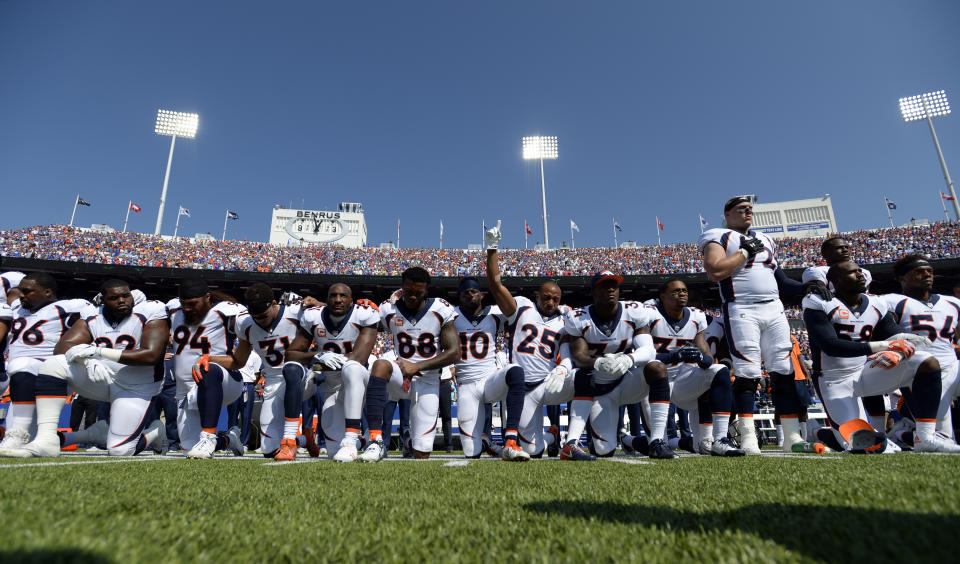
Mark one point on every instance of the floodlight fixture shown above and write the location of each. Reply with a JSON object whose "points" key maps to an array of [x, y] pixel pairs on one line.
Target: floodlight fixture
{"points": [[174, 124], [540, 148], [925, 107], [931, 104]]}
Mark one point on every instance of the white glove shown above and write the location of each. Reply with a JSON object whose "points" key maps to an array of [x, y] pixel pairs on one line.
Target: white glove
{"points": [[918, 341], [290, 298], [332, 360], [82, 352], [553, 383], [492, 236], [97, 372], [620, 364], [604, 363]]}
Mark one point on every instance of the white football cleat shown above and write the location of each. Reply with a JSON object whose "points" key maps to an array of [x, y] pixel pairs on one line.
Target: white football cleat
{"points": [[936, 443], [205, 447], [892, 448], [725, 447], [347, 453], [375, 452], [14, 439], [235, 445], [39, 447], [512, 452], [748, 436], [706, 446]]}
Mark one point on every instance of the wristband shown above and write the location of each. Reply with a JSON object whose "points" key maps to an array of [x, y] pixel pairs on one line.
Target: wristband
{"points": [[745, 253], [110, 354]]}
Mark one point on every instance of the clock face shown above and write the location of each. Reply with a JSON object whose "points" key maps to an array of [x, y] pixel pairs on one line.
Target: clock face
{"points": [[316, 230]]}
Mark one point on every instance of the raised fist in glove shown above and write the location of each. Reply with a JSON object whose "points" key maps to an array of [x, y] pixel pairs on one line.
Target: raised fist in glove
{"points": [[199, 367], [290, 298], [751, 244], [885, 359], [332, 360], [97, 372], [82, 352], [553, 383], [492, 236], [817, 288]]}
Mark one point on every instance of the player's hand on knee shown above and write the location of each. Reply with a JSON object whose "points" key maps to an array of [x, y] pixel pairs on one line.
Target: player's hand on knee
{"points": [[492, 236], [817, 288], [332, 360], [902, 346], [751, 244], [553, 383], [689, 354], [885, 359], [97, 371], [620, 364], [199, 367], [79, 353]]}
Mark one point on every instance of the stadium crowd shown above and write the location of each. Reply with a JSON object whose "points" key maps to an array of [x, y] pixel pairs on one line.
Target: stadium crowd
{"points": [[59, 242]]}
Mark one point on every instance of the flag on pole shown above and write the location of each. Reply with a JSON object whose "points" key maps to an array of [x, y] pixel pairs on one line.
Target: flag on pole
{"points": [[660, 225], [134, 207], [617, 226], [82, 202], [945, 197], [231, 215], [441, 229], [703, 222], [183, 211], [527, 228], [891, 205], [574, 226]]}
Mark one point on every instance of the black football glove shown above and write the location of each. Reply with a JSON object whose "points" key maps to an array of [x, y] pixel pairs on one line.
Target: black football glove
{"points": [[818, 288], [751, 244]]}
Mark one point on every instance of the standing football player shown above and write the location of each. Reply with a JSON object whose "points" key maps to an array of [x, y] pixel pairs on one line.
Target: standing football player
{"points": [[344, 334], [424, 340], [38, 323], [114, 356], [534, 333], [833, 250], [480, 378], [859, 353], [744, 265], [203, 336]]}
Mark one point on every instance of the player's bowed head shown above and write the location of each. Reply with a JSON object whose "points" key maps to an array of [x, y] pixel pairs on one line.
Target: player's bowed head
{"points": [[195, 300], [261, 304]]}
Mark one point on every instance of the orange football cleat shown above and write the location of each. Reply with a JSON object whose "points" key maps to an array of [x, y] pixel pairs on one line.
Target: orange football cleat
{"points": [[288, 450]]}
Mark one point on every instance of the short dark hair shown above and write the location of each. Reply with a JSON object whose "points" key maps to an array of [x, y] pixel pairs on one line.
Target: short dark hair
{"points": [[113, 283], [663, 287], [827, 241], [909, 262], [416, 274], [259, 292], [43, 280], [193, 288]]}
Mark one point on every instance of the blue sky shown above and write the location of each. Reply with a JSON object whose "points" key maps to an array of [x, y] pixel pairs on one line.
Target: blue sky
{"points": [[416, 109]]}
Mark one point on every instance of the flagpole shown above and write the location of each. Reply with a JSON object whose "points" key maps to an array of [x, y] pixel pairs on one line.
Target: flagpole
{"points": [[886, 204], [658, 230], [701, 225], [615, 233], [126, 219], [75, 202], [441, 234], [573, 242], [398, 232], [483, 234], [176, 227], [525, 234], [942, 203], [226, 216]]}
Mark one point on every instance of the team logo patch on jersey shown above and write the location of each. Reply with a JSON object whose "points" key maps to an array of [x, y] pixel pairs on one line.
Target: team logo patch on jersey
{"points": [[398, 322], [843, 314], [321, 333]]}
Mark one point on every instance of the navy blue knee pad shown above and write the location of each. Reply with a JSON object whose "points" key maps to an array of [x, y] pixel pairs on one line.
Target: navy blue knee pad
{"points": [[23, 387]]}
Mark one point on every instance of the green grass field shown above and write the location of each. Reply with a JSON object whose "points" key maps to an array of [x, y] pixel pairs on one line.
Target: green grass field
{"points": [[769, 508]]}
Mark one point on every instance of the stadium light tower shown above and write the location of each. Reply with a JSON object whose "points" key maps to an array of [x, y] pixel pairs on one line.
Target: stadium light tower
{"points": [[540, 148], [928, 106], [174, 124]]}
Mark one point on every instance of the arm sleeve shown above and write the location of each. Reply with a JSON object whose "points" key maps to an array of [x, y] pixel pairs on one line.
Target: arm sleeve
{"points": [[563, 356], [643, 349], [823, 335], [788, 286], [887, 327]]}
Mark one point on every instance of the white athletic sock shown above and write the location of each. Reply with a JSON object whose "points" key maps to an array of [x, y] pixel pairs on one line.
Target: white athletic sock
{"points": [[925, 430], [779, 435], [791, 431], [151, 435], [659, 410], [48, 417], [20, 416], [577, 422], [290, 428], [720, 423]]}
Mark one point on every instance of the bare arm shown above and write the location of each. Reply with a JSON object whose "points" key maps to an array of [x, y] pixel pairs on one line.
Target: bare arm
{"points": [[717, 264], [153, 343], [450, 345], [78, 334], [298, 351], [237, 360], [580, 353], [507, 304], [363, 346]]}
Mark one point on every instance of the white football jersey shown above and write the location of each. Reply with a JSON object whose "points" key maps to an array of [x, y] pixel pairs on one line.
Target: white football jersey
{"points": [[8, 281], [714, 334], [820, 273], [416, 335], [34, 334], [936, 320], [271, 344], [754, 280], [670, 335], [614, 336], [533, 341], [213, 336], [338, 337], [127, 335], [850, 325], [478, 343]]}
